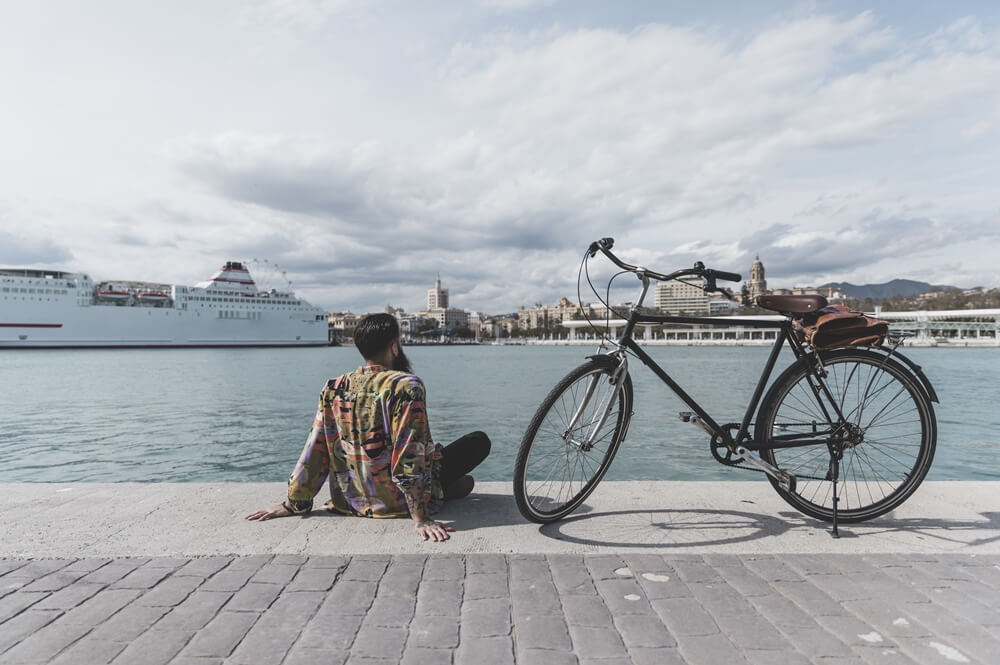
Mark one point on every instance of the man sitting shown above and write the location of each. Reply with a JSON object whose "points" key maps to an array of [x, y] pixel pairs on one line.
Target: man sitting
{"points": [[372, 439]]}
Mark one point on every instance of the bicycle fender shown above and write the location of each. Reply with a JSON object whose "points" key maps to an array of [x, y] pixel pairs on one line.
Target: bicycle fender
{"points": [[929, 391]]}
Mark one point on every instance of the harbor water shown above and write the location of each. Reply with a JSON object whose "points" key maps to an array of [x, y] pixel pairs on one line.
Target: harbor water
{"points": [[237, 415]]}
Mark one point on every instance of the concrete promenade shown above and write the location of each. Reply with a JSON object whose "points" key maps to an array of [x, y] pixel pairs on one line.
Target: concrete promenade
{"points": [[646, 573]]}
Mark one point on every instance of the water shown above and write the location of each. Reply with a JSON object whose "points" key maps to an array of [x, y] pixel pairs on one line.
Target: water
{"points": [[236, 415]]}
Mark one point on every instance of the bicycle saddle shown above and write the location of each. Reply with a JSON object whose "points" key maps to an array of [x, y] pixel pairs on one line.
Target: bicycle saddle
{"points": [[792, 304]]}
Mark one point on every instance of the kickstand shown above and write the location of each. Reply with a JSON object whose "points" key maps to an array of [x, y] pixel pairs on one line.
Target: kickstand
{"points": [[834, 475]]}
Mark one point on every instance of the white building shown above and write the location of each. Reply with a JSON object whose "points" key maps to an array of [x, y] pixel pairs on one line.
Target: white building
{"points": [[676, 297], [437, 298]]}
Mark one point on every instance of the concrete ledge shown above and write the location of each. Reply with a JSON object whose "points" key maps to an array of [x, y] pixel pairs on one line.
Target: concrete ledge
{"points": [[193, 519]]}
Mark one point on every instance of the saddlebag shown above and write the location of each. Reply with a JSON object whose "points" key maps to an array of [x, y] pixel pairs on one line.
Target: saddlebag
{"points": [[836, 326]]}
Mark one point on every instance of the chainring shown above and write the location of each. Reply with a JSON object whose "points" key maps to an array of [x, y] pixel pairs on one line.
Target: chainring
{"points": [[722, 452]]}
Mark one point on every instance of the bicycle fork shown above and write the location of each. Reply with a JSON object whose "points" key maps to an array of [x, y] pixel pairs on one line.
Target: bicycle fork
{"points": [[600, 416]]}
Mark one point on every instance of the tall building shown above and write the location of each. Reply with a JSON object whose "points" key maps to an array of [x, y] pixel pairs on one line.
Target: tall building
{"points": [[757, 284], [675, 297], [437, 298]]}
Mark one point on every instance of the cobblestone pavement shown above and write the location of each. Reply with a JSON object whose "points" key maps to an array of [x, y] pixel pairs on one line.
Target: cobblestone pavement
{"points": [[503, 609]]}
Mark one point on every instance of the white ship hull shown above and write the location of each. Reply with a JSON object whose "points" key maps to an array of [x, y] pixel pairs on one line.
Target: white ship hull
{"points": [[46, 309]]}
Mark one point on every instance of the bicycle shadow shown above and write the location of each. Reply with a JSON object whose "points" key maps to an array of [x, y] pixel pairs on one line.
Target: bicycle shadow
{"points": [[667, 527], [700, 527]]}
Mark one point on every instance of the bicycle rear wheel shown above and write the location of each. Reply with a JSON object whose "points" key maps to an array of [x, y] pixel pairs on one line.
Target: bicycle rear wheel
{"points": [[889, 435], [571, 440]]}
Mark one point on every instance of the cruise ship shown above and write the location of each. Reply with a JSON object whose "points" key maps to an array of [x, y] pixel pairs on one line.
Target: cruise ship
{"points": [[56, 309]]}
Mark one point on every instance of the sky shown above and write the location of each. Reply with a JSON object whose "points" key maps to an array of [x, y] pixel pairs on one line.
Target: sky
{"points": [[367, 146]]}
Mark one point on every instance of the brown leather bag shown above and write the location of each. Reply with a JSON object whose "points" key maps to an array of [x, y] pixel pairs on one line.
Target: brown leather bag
{"points": [[836, 326]]}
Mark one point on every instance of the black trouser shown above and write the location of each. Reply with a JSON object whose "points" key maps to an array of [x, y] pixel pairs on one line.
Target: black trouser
{"points": [[462, 456]]}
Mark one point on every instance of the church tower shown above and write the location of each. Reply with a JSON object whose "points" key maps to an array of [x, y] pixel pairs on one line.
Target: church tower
{"points": [[437, 298], [757, 283]]}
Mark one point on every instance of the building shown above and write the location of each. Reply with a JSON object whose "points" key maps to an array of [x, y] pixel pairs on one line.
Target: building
{"points": [[545, 317], [757, 284], [437, 298], [687, 297]]}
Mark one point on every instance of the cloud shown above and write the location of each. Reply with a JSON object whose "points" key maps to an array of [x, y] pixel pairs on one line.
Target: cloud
{"points": [[19, 251], [686, 143]]}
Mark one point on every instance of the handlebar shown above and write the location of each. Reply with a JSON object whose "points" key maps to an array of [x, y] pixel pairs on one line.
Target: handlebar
{"points": [[604, 245]]}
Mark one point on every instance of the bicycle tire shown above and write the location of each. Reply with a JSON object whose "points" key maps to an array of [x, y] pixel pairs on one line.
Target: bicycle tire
{"points": [[553, 476], [890, 414]]}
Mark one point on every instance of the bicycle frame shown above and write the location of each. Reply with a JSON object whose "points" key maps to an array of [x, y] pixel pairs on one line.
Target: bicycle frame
{"points": [[743, 436]]}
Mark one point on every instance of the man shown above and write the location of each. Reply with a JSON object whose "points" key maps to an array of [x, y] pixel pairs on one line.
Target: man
{"points": [[371, 438]]}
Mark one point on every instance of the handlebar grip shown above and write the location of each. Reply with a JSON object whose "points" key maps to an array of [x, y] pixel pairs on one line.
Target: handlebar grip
{"points": [[603, 244], [723, 275]]}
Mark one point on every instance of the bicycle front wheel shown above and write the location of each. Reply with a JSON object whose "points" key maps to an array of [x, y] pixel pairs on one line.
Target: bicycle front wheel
{"points": [[571, 440], [888, 435]]}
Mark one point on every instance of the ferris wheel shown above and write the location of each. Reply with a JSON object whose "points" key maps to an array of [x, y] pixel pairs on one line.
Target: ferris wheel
{"points": [[268, 276]]}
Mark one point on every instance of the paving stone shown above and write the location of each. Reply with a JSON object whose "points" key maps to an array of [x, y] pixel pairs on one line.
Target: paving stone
{"points": [[492, 650], [685, 616], [221, 635], [486, 585], [538, 598], [254, 597], [485, 563], [170, 592], [313, 579], [95, 610], [708, 650], [604, 566], [597, 642], [42, 645], [401, 581], [13, 604], [657, 656], [439, 598], [129, 623], [840, 587], [379, 642], [550, 633], [113, 571], [444, 567], [771, 569], [782, 612], [87, 565], [170, 563], [305, 656], [19, 627], [275, 573], [753, 631], [433, 632], [888, 620], [203, 567], [853, 631], [720, 599], [32, 570], [195, 611], [771, 657], [690, 571], [645, 631], [91, 651], [9, 565], [816, 643], [623, 596], [54, 581], [68, 597], [571, 576], [883, 656], [330, 633], [145, 577], [488, 617], [587, 611], [249, 564], [327, 562], [426, 656], [391, 610], [809, 598], [157, 647], [276, 631], [366, 569]]}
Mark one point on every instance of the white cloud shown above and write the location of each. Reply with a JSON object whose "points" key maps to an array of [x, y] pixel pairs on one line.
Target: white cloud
{"points": [[381, 145]]}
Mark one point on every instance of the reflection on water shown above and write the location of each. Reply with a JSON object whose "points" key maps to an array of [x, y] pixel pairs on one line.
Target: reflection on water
{"points": [[243, 414]]}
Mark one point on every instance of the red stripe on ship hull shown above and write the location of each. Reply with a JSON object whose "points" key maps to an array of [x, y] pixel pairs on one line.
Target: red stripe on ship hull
{"points": [[31, 325]]}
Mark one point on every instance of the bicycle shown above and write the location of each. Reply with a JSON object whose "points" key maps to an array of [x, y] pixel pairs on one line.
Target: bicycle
{"points": [[852, 426]]}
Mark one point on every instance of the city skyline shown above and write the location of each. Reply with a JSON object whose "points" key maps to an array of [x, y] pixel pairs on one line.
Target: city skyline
{"points": [[366, 146]]}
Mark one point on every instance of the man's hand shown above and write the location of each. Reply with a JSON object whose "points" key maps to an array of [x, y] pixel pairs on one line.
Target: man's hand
{"points": [[277, 511], [431, 530]]}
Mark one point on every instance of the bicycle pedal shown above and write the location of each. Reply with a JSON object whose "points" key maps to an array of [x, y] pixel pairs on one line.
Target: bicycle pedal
{"points": [[786, 481]]}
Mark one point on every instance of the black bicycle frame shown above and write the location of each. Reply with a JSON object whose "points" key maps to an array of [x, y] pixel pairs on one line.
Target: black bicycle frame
{"points": [[743, 436]]}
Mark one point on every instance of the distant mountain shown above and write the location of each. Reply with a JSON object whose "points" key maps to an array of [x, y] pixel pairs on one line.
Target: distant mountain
{"points": [[897, 287]]}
